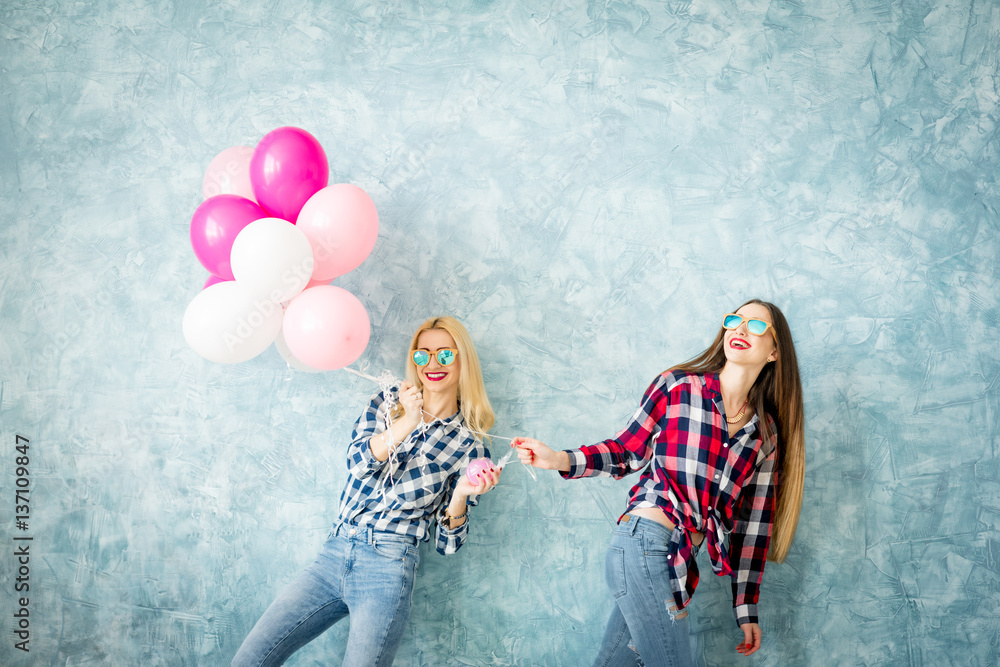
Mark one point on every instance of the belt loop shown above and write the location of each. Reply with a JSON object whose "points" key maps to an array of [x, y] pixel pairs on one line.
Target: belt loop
{"points": [[371, 535], [632, 521]]}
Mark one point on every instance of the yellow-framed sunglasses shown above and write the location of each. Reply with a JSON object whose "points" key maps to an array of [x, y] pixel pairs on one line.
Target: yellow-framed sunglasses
{"points": [[445, 356], [754, 326]]}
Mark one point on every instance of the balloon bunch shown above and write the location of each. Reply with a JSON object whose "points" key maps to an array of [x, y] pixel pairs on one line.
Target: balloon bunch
{"points": [[273, 234]]}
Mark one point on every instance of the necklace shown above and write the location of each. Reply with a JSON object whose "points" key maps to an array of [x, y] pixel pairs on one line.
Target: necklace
{"points": [[739, 415]]}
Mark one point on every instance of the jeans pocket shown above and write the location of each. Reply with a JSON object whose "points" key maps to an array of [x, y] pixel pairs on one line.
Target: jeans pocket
{"points": [[392, 549], [654, 545], [614, 571], [657, 562]]}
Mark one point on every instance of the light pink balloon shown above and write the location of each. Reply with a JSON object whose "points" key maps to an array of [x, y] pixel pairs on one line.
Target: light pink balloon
{"points": [[326, 327], [341, 224], [314, 283], [287, 168], [229, 174]]}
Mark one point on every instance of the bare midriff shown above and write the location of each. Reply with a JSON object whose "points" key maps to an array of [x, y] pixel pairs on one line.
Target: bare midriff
{"points": [[659, 517]]}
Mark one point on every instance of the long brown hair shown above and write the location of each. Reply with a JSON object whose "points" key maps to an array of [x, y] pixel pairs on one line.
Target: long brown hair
{"points": [[473, 402], [778, 392]]}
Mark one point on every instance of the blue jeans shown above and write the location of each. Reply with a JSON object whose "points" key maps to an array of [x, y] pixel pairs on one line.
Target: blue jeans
{"points": [[644, 628], [366, 574]]}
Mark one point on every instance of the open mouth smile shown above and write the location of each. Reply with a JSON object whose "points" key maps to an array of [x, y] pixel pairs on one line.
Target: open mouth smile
{"points": [[435, 377], [739, 344]]}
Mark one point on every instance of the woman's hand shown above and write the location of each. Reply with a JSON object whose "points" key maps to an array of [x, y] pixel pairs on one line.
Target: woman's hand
{"points": [[538, 454], [751, 637], [458, 507], [412, 401]]}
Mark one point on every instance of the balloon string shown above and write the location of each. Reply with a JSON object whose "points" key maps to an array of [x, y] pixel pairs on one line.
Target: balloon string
{"points": [[386, 381], [393, 381]]}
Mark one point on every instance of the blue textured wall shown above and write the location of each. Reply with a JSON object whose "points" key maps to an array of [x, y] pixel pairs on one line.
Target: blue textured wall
{"points": [[588, 188]]}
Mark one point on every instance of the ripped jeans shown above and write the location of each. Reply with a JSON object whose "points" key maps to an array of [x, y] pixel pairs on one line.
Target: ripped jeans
{"points": [[643, 629]]}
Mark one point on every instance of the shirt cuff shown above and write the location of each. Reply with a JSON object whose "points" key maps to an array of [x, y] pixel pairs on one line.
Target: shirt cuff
{"points": [[368, 460], [444, 523], [577, 464], [456, 531], [450, 540], [745, 613]]}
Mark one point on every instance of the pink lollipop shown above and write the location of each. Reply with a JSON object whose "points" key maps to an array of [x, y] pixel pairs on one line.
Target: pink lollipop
{"points": [[476, 469]]}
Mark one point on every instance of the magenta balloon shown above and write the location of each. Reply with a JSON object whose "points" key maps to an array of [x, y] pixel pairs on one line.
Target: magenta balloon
{"points": [[213, 280], [341, 224], [326, 327], [215, 225], [287, 168]]}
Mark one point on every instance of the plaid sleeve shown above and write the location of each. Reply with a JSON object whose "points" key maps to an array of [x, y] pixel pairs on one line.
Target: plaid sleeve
{"points": [[631, 449], [450, 540], [751, 536], [361, 463]]}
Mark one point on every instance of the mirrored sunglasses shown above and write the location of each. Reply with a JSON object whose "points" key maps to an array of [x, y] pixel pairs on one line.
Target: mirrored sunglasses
{"points": [[445, 356], [754, 326]]}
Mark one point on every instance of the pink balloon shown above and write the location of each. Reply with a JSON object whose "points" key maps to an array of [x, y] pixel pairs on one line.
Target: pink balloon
{"points": [[215, 225], [314, 282], [229, 174], [326, 327], [341, 224], [477, 468], [213, 280], [287, 168]]}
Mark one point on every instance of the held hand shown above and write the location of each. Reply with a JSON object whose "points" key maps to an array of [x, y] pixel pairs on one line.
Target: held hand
{"points": [[412, 401], [538, 454], [488, 479], [751, 639], [458, 507]]}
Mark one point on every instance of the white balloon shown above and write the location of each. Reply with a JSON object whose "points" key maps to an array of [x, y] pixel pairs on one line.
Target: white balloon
{"points": [[272, 259], [282, 347], [226, 324]]}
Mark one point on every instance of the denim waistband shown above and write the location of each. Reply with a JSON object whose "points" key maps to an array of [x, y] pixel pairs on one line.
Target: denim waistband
{"points": [[352, 531], [631, 524]]}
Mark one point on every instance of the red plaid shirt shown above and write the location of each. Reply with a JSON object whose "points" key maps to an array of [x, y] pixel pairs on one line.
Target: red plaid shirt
{"points": [[703, 478]]}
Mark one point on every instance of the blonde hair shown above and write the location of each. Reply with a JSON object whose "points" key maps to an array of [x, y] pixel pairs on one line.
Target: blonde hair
{"points": [[472, 400], [778, 392]]}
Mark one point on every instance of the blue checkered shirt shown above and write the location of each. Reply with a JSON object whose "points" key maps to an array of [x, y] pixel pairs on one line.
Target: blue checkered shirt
{"points": [[404, 493]]}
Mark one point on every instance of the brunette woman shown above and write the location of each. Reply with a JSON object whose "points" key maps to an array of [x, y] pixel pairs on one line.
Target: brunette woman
{"points": [[720, 444]]}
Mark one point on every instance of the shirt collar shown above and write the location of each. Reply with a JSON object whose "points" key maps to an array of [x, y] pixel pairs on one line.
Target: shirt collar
{"points": [[454, 421], [714, 387], [713, 384]]}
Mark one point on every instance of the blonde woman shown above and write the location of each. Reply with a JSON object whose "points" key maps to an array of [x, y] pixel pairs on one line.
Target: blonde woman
{"points": [[401, 480], [720, 444]]}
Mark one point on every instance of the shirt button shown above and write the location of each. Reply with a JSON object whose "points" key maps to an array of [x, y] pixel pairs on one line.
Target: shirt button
{"points": [[716, 475]]}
